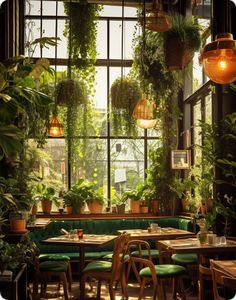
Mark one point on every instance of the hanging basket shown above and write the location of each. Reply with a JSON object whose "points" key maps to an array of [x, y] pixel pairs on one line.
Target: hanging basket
{"points": [[157, 20], [177, 56]]}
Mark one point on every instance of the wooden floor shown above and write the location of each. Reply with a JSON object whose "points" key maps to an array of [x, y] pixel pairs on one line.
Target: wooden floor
{"points": [[133, 290]]}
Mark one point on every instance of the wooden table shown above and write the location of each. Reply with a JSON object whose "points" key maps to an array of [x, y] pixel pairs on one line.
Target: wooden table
{"points": [[162, 234], [40, 223], [88, 240], [227, 266], [192, 245]]}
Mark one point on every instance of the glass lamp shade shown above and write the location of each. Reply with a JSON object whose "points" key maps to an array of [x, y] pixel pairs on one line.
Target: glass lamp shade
{"points": [[143, 113], [158, 20], [219, 59], [55, 127], [146, 124]]}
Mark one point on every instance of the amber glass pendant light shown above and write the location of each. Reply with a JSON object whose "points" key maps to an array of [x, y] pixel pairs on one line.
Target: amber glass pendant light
{"points": [[144, 109], [219, 59], [55, 127], [143, 113]]}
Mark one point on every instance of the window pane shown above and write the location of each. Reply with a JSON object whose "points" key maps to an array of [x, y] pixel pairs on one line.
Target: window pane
{"points": [[50, 164], [115, 35], [49, 29], [127, 164], [32, 32], [92, 166], [197, 131], [32, 7], [116, 11], [208, 109], [102, 40], [62, 49], [49, 8]]}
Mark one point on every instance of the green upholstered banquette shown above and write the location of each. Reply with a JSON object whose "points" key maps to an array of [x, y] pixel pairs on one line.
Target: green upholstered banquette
{"points": [[98, 226]]}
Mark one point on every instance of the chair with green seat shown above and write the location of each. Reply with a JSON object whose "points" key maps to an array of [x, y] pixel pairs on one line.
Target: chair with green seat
{"points": [[58, 257], [108, 271], [139, 248], [190, 262], [46, 269], [157, 274]]}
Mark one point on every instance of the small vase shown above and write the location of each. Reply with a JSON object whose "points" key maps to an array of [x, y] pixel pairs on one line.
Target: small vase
{"points": [[202, 236]]}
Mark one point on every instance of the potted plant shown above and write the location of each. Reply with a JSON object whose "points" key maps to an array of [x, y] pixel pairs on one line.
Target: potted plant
{"points": [[134, 196], [95, 201], [120, 201], [180, 42], [77, 195], [125, 94], [47, 197]]}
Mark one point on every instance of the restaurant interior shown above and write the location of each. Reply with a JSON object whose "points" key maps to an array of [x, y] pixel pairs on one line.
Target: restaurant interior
{"points": [[117, 149]]}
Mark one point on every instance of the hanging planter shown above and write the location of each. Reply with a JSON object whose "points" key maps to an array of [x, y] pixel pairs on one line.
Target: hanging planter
{"points": [[157, 20], [180, 42], [125, 94], [69, 92]]}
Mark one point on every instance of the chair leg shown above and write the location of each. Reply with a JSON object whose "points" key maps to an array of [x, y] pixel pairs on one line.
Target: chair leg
{"points": [[63, 278], [82, 286], [111, 291], [99, 289], [69, 273], [142, 286], [123, 283]]}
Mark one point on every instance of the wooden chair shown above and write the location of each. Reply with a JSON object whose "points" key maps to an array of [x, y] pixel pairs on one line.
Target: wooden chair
{"points": [[109, 271], [45, 270], [217, 281], [229, 283], [157, 274], [204, 283]]}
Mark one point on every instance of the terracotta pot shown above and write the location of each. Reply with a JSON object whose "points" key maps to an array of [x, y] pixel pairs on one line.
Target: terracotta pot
{"points": [[144, 209], [95, 207], [135, 206], [34, 209], [120, 209], [177, 56], [69, 209], [46, 206], [155, 206], [18, 225]]}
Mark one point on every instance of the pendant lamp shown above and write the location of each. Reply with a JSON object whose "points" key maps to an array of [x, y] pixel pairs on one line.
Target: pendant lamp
{"points": [[55, 127], [143, 113], [157, 19], [219, 59]]}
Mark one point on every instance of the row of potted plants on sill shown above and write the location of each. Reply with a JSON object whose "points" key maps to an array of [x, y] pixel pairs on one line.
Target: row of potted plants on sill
{"points": [[83, 193]]}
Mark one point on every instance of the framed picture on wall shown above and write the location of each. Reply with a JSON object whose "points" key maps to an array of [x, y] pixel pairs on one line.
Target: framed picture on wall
{"points": [[180, 159]]}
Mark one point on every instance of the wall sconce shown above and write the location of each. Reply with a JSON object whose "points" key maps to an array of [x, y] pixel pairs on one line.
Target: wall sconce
{"points": [[55, 127], [219, 59]]}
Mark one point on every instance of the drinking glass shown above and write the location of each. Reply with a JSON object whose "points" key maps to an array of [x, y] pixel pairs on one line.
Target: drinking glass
{"points": [[223, 240]]}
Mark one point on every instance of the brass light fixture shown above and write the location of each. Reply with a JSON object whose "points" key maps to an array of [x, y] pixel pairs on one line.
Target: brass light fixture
{"points": [[143, 111], [157, 19], [219, 59], [55, 127]]}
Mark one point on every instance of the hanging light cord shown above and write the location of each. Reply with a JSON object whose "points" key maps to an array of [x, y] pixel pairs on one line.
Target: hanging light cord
{"points": [[122, 37], [56, 33], [70, 40]]}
